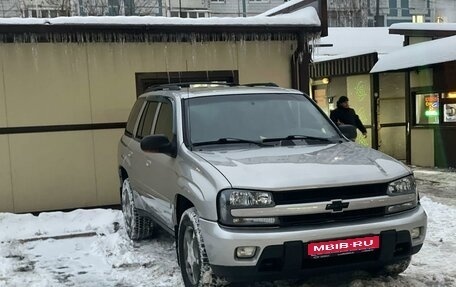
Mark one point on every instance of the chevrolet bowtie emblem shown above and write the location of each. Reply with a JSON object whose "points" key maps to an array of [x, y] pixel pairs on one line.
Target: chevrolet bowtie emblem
{"points": [[337, 205]]}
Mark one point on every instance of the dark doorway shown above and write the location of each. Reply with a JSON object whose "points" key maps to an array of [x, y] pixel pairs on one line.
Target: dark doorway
{"points": [[146, 80]]}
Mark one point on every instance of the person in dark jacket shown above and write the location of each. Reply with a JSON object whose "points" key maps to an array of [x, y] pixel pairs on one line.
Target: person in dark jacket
{"points": [[344, 115]]}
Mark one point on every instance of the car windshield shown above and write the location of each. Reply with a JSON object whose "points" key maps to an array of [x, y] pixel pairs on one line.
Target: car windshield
{"points": [[255, 117]]}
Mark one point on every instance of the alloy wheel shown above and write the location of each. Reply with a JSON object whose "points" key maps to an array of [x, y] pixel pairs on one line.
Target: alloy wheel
{"points": [[191, 255]]}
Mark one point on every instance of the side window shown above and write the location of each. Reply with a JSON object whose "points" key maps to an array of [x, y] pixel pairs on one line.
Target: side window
{"points": [[147, 119], [133, 117], [165, 121]]}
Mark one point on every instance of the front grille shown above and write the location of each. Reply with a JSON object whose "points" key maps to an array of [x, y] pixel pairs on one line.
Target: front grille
{"points": [[329, 193], [322, 218]]}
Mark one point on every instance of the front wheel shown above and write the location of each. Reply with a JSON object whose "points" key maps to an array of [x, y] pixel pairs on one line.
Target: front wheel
{"points": [[193, 261]]}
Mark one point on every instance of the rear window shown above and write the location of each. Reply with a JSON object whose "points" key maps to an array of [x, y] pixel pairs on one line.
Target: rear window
{"points": [[132, 119]]}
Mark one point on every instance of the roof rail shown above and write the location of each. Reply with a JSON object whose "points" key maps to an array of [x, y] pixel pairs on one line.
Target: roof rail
{"points": [[179, 86], [270, 84]]}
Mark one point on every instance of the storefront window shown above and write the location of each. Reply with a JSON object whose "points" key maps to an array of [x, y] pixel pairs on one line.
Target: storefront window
{"points": [[427, 108], [449, 107]]}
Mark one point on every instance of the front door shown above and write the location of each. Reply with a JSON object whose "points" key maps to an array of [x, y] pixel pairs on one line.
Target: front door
{"points": [[162, 169], [391, 115]]}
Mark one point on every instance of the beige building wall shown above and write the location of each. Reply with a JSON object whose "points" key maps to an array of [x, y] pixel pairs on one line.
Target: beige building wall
{"points": [[6, 191], [2, 93], [423, 147], [46, 84], [421, 78], [59, 84], [359, 94], [337, 87], [416, 40]]}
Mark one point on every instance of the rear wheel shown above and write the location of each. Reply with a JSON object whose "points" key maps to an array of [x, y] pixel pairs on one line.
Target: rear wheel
{"points": [[138, 226], [193, 261]]}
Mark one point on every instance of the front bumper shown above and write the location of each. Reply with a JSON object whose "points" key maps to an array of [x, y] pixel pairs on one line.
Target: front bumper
{"points": [[288, 245]]}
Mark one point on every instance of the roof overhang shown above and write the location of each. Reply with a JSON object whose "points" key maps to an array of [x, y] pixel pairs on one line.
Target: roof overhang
{"points": [[436, 30], [161, 29], [350, 65], [418, 55]]}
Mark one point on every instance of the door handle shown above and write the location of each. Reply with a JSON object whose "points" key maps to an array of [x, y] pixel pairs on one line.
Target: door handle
{"points": [[148, 163]]}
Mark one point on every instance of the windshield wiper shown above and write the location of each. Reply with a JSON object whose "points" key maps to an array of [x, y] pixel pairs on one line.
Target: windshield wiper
{"points": [[298, 137], [230, 141]]}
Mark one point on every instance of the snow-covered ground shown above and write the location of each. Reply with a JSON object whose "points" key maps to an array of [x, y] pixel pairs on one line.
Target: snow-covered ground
{"points": [[100, 254]]}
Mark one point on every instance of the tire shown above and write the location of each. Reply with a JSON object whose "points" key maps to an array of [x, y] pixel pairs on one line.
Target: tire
{"points": [[396, 268], [193, 261], [138, 227]]}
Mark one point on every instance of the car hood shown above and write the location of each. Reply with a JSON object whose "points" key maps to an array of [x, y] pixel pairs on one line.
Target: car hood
{"points": [[305, 166]]}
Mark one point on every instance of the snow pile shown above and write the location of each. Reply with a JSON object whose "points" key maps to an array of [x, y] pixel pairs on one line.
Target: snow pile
{"points": [[106, 259], [435, 264], [25, 226]]}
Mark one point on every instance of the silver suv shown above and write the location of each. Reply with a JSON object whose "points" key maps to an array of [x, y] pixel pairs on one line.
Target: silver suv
{"points": [[256, 183]]}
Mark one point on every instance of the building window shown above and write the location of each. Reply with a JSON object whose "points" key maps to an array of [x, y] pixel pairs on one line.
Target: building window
{"points": [[427, 109], [190, 14], [393, 7], [43, 12], [418, 19], [405, 9], [217, 1], [258, 1], [449, 107]]}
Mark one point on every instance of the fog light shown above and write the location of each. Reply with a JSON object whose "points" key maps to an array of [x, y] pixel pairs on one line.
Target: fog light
{"points": [[255, 220], [416, 232], [244, 252]]}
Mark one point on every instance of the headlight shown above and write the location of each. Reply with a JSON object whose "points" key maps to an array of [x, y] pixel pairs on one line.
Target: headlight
{"points": [[402, 186], [234, 199], [245, 198], [399, 187]]}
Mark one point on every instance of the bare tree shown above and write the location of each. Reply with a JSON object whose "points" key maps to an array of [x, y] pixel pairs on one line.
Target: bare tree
{"points": [[348, 13], [94, 7], [62, 6], [148, 7], [12, 8]]}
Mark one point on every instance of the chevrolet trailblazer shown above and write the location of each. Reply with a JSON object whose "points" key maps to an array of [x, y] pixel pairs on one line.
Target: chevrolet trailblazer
{"points": [[256, 183]]}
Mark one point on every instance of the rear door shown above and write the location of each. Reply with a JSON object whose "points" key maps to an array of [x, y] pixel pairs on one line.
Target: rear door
{"points": [[138, 172]]}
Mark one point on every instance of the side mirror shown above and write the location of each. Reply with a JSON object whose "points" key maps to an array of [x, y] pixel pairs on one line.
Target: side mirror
{"points": [[348, 131], [157, 144]]}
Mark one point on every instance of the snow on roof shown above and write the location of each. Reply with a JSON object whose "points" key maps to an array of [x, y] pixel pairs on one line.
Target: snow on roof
{"points": [[417, 55], [278, 8], [348, 42], [424, 26], [307, 16]]}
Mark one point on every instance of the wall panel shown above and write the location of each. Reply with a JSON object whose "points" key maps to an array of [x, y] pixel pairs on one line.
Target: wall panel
{"points": [[46, 84], [6, 192], [423, 147], [52, 170], [105, 156], [258, 62]]}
